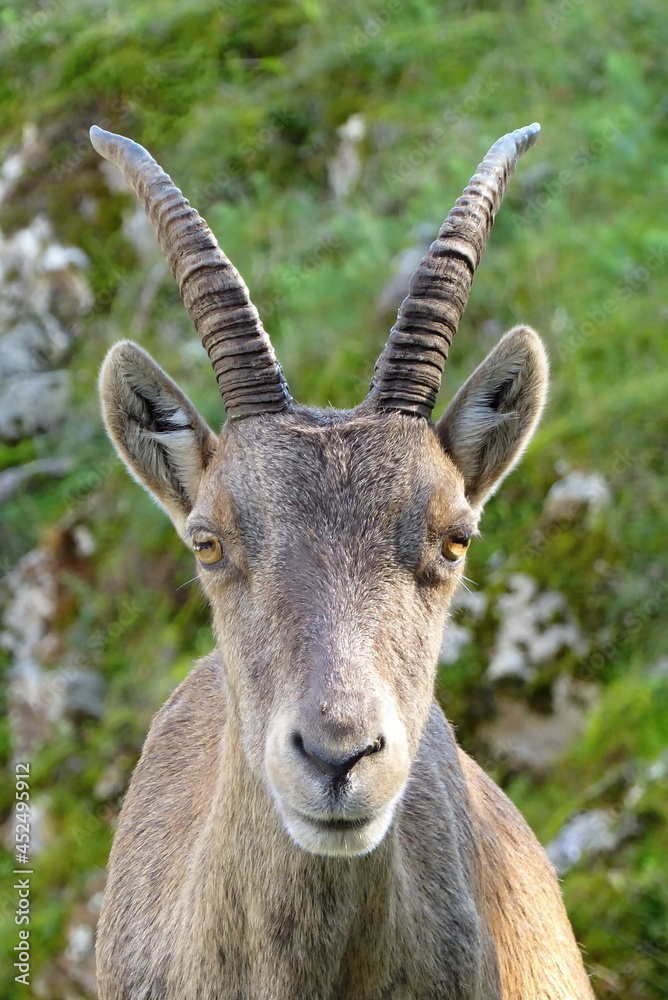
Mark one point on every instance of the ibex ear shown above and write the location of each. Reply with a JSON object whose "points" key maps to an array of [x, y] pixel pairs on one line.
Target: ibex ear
{"points": [[155, 428], [490, 421]]}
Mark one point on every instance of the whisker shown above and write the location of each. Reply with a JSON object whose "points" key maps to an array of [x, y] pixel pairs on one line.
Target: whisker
{"points": [[205, 588], [187, 582]]}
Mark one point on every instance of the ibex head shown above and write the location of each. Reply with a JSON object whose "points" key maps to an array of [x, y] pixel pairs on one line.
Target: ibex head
{"points": [[329, 543]]}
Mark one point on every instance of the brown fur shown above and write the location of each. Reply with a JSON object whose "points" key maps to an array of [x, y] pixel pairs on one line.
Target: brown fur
{"points": [[230, 878]]}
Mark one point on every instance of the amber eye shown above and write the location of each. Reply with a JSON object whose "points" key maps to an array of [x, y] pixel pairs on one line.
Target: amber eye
{"points": [[208, 549], [455, 546]]}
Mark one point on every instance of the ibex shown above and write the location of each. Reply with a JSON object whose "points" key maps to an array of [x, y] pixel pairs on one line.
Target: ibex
{"points": [[302, 824]]}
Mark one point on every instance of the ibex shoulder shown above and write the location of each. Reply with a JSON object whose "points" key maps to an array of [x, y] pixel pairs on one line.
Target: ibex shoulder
{"points": [[521, 899]]}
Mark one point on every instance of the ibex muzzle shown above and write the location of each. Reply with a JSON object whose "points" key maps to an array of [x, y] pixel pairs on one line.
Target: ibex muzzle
{"points": [[309, 829]]}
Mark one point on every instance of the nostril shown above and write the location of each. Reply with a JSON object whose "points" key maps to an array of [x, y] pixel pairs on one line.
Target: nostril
{"points": [[375, 747], [334, 767], [322, 760]]}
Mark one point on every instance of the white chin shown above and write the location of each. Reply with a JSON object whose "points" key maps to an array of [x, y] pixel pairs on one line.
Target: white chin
{"points": [[317, 837]]}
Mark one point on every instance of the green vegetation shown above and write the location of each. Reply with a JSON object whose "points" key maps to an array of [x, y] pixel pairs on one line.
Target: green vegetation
{"points": [[241, 102]]}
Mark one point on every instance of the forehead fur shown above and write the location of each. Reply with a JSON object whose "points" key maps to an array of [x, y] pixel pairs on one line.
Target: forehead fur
{"points": [[343, 467]]}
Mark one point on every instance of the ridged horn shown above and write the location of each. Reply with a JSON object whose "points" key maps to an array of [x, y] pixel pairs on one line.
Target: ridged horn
{"points": [[214, 293], [408, 373]]}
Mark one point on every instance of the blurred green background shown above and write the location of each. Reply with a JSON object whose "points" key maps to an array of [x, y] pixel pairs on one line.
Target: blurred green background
{"points": [[323, 142]]}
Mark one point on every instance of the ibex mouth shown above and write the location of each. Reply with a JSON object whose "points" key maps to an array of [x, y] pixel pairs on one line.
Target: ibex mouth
{"points": [[337, 836], [338, 824]]}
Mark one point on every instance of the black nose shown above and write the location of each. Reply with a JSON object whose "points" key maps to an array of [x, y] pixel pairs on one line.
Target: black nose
{"points": [[335, 767]]}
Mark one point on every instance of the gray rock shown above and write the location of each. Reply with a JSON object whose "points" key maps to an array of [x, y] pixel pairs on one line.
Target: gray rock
{"points": [[455, 639], [82, 694], [33, 405], [578, 493], [534, 627], [345, 167], [598, 831], [532, 740], [589, 832]]}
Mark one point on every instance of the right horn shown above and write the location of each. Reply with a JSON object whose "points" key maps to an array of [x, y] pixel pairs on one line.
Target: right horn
{"points": [[249, 376], [408, 373]]}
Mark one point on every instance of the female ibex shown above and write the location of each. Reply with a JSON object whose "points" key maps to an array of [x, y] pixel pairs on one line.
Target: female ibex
{"points": [[302, 824]]}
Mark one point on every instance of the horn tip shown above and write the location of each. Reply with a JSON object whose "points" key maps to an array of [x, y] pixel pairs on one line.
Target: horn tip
{"points": [[101, 141], [525, 137], [112, 146]]}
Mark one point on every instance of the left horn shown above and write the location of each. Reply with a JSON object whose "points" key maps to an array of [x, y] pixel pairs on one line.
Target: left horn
{"points": [[249, 376], [408, 373]]}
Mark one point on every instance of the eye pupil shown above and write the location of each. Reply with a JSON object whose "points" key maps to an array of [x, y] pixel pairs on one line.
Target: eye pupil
{"points": [[455, 546], [209, 550]]}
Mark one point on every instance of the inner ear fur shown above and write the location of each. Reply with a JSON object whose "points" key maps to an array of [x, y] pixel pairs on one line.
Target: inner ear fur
{"points": [[156, 430], [491, 420]]}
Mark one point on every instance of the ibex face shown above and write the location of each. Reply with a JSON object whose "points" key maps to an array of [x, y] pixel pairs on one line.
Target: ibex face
{"points": [[330, 544], [341, 541]]}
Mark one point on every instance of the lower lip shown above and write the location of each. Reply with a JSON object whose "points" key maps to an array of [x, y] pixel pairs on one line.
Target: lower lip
{"points": [[337, 825]]}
